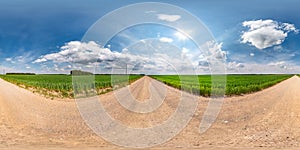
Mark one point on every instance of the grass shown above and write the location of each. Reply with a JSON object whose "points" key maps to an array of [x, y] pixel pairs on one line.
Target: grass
{"points": [[61, 85], [235, 84]]}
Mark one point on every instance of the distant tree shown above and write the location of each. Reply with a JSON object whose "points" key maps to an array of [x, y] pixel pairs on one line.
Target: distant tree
{"points": [[79, 72], [16, 73]]}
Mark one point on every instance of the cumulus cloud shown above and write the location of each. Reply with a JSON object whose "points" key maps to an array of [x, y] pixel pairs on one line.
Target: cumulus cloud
{"points": [[8, 59], [268, 68], [266, 33], [290, 27], [240, 65], [78, 52], [185, 54], [168, 18], [149, 57], [185, 50], [212, 59], [234, 65], [180, 36], [203, 64], [166, 40], [40, 60], [280, 64], [215, 51], [88, 54]]}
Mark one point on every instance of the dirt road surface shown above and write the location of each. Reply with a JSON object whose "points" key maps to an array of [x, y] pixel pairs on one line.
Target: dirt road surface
{"points": [[264, 120]]}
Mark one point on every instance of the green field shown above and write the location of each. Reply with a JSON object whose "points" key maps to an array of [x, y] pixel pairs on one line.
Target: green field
{"points": [[61, 85], [235, 84]]}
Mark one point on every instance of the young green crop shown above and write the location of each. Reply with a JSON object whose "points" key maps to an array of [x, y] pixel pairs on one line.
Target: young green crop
{"points": [[235, 84], [200, 85], [61, 85]]}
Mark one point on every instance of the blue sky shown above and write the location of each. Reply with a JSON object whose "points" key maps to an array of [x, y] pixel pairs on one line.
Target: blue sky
{"points": [[257, 36]]}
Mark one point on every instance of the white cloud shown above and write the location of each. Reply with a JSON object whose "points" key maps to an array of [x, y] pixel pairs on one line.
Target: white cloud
{"points": [[216, 51], [252, 54], [185, 54], [87, 55], [266, 33], [20, 63], [77, 52], [280, 64], [40, 60], [21, 59], [234, 65], [150, 11], [185, 50], [166, 40], [290, 27], [8, 59], [203, 64], [26, 57], [282, 67], [125, 50], [240, 65], [169, 18], [257, 24], [180, 36], [11, 60], [212, 59]]}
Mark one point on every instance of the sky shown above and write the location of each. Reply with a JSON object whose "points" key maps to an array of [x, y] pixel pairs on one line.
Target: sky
{"points": [[215, 36]]}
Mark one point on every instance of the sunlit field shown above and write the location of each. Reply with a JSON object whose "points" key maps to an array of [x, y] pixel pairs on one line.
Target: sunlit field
{"points": [[61, 85], [235, 84]]}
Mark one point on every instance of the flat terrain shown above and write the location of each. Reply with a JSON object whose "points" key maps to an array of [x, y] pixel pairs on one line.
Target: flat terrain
{"points": [[264, 120], [60, 85]]}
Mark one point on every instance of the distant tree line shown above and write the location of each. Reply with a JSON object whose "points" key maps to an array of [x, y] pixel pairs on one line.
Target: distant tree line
{"points": [[20, 73], [79, 72]]}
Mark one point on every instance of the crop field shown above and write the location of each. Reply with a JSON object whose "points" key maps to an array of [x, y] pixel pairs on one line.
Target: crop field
{"points": [[235, 84], [61, 85]]}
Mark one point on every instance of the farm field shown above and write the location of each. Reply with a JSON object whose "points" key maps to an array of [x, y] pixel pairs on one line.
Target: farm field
{"points": [[61, 85], [262, 120], [235, 84]]}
